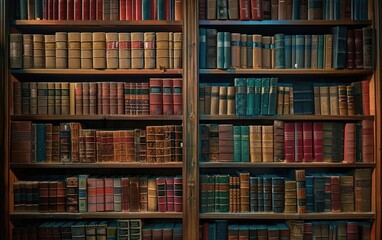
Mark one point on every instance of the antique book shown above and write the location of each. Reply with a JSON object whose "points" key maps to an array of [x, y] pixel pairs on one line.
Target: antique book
{"points": [[86, 50], [15, 50], [162, 50], [112, 57], [61, 50], [149, 50], [38, 51], [124, 48], [99, 50]]}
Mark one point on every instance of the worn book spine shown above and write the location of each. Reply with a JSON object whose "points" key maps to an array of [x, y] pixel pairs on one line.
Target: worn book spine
{"points": [[156, 98], [42, 98], [74, 50], [245, 9], [113, 98], [368, 46], [211, 9], [177, 50], [99, 50], [290, 196], [137, 50], [222, 100], [362, 190], [112, 51], [339, 46], [351, 49], [358, 47], [347, 193], [233, 9], [266, 52], [86, 50], [325, 100], [27, 51], [15, 50], [341, 98], [255, 143], [61, 50], [301, 191], [267, 143], [211, 48], [221, 10], [328, 51], [77, 99], [149, 50], [38, 51], [162, 50], [289, 142], [167, 96], [367, 141], [33, 98], [124, 48]]}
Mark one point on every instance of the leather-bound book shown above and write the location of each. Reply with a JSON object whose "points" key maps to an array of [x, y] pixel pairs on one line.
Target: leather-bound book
{"points": [[362, 190], [301, 191], [222, 100], [77, 10], [92, 9], [15, 50], [74, 50], [27, 51], [69, 9], [21, 140], [235, 50], [211, 9], [112, 58], [137, 50], [85, 98], [50, 51], [156, 98], [347, 193], [61, 50], [245, 9], [178, 15], [358, 47], [290, 196], [367, 141], [256, 10], [105, 86], [167, 96], [267, 143], [178, 50], [86, 50], [257, 51], [278, 141], [211, 48], [42, 98], [149, 52], [38, 51], [162, 50], [99, 50], [255, 143], [113, 102], [351, 51], [124, 48]]}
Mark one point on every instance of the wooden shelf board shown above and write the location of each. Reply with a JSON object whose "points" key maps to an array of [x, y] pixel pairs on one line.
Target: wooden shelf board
{"points": [[100, 23], [286, 22], [284, 165], [312, 216], [96, 117], [98, 71], [95, 165], [318, 72], [288, 117], [104, 215]]}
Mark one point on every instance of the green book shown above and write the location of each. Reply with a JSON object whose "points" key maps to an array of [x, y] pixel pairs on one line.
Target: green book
{"points": [[279, 51], [300, 45], [265, 95], [227, 50], [250, 96], [241, 99], [272, 104], [223, 181], [237, 144], [257, 97], [320, 52], [220, 50], [244, 143]]}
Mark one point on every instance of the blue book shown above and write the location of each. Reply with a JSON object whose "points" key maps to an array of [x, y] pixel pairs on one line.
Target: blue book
{"points": [[364, 10], [288, 51], [23, 10], [295, 10], [237, 143], [221, 229], [265, 95], [202, 48], [267, 193], [40, 141], [272, 102], [212, 231], [303, 98], [260, 194], [146, 10], [241, 91], [257, 99], [244, 131], [309, 194], [279, 51], [250, 96], [339, 46], [253, 194], [227, 50], [278, 194], [293, 51], [308, 52], [220, 50], [38, 9], [161, 6], [319, 193], [337, 10], [172, 10], [320, 52], [300, 45], [325, 10]]}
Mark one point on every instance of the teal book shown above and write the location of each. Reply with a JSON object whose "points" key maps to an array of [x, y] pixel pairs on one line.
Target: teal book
{"points": [[40, 142], [222, 10], [237, 144], [220, 50], [221, 229], [300, 45], [227, 50], [288, 51], [265, 95], [223, 193], [244, 132], [146, 10], [319, 193], [250, 96], [325, 10], [202, 48], [241, 91], [320, 52], [309, 194], [308, 52], [293, 52], [212, 231], [253, 194], [249, 51], [82, 193], [272, 103], [337, 10], [38, 10], [161, 6], [23, 10], [279, 51], [339, 46], [295, 10], [257, 99]]}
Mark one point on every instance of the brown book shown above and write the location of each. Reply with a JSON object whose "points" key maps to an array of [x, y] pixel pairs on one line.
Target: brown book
{"points": [[50, 51], [342, 100], [105, 96], [17, 98], [113, 98], [92, 98], [362, 190], [367, 141], [25, 97], [328, 51], [233, 9], [27, 51], [230, 100], [120, 98], [235, 50], [55, 144], [267, 143], [275, 9], [86, 50], [74, 138], [335, 100], [48, 128], [99, 50], [149, 46], [74, 50], [225, 142], [314, 53], [350, 143], [137, 52], [278, 141], [21, 141], [347, 193], [61, 196], [222, 100], [317, 102], [162, 50], [134, 205], [350, 47], [178, 10], [33, 98], [150, 143], [207, 100], [301, 191], [290, 196], [244, 191], [51, 96], [15, 50], [143, 193], [171, 50], [72, 98], [152, 204], [282, 10], [214, 110], [61, 50], [257, 51], [65, 98], [38, 51], [314, 12], [350, 100], [324, 99], [78, 98], [266, 52], [211, 9], [85, 98], [358, 48], [178, 50], [112, 58], [124, 48], [255, 143]]}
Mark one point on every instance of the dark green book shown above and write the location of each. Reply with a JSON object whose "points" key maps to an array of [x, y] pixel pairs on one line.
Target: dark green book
{"points": [[320, 51], [250, 96], [288, 51], [211, 193], [227, 50], [237, 144], [220, 50], [265, 87], [339, 46], [279, 51], [223, 201], [221, 10], [202, 48], [308, 51], [241, 98], [244, 143], [204, 193], [211, 50], [300, 45], [272, 102]]}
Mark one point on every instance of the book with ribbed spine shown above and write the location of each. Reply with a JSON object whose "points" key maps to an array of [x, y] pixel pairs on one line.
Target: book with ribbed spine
{"points": [[279, 51], [137, 50], [156, 99], [38, 51], [149, 50], [162, 50], [301, 191], [50, 51], [257, 42], [337, 100], [221, 10], [265, 90], [362, 190], [99, 50], [289, 141], [367, 141], [74, 50], [86, 48], [267, 143], [226, 148], [112, 51], [339, 46], [211, 52], [222, 100], [124, 48], [347, 193], [368, 39], [61, 50], [177, 50], [167, 87]]}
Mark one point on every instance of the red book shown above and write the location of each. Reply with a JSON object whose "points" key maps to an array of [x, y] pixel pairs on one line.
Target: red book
{"points": [[55, 9], [45, 10], [335, 189], [358, 48], [257, 9], [170, 194], [125, 183], [100, 192], [138, 9], [202, 9], [62, 14], [352, 231], [50, 9], [133, 10], [77, 10], [154, 10], [289, 151], [52, 196], [85, 9], [92, 9], [99, 10], [366, 97], [245, 13], [178, 200], [122, 10], [350, 143], [166, 9], [350, 46], [109, 194], [318, 141], [156, 96], [120, 98], [105, 97], [21, 142], [129, 10], [307, 135], [70, 9], [167, 97], [177, 96], [134, 204], [92, 194], [43, 187], [61, 196], [298, 140], [161, 194], [367, 141], [113, 98]]}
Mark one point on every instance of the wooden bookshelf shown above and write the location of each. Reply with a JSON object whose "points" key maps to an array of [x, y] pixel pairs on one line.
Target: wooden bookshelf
{"points": [[96, 117], [106, 166], [121, 72], [285, 23], [240, 165], [286, 117]]}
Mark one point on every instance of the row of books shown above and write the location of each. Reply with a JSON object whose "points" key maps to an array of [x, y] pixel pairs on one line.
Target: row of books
{"points": [[98, 10], [84, 193], [344, 48], [158, 96], [223, 229], [133, 229], [97, 50], [70, 143], [243, 192], [267, 96], [288, 142], [283, 10]]}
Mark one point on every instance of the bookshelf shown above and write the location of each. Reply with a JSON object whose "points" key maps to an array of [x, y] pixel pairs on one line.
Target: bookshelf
{"points": [[192, 169]]}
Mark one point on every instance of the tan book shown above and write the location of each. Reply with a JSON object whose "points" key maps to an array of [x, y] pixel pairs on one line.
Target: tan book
{"points": [[65, 98], [51, 96], [324, 100], [74, 50], [137, 50], [255, 144], [282, 10], [124, 48], [211, 9], [231, 100], [152, 204], [85, 98], [171, 50], [162, 50], [243, 51], [257, 51], [92, 98], [15, 50], [317, 102], [99, 50], [57, 98], [244, 191], [235, 50], [72, 94], [362, 190], [314, 53], [178, 50], [38, 51], [86, 50], [328, 51], [214, 100], [347, 193], [233, 9], [222, 100], [267, 143], [266, 52], [50, 51], [290, 196], [61, 50], [149, 52], [27, 51], [333, 99], [112, 51]]}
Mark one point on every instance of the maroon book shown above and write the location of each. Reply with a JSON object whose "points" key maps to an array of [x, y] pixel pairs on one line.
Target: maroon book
{"points": [[318, 141], [61, 196], [178, 200], [156, 101], [105, 98], [52, 196], [289, 151], [125, 184], [202, 9], [366, 97], [161, 194], [298, 139], [55, 9], [177, 96], [129, 10], [77, 10], [367, 141], [85, 9], [133, 12], [113, 98], [62, 10], [154, 10], [100, 193], [244, 6], [134, 204], [352, 231], [70, 10], [45, 9], [99, 9], [122, 10], [170, 194], [138, 9], [335, 189], [43, 196], [21, 142], [109, 194], [358, 48], [307, 128], [50, 9], [92, 9], [167, 97], [350, 60], [166, 9], [256, 10]]}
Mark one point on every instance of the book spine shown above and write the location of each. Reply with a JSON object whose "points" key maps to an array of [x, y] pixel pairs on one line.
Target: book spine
{"points": [[99, 50], [156, 98], [112, 51]]}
